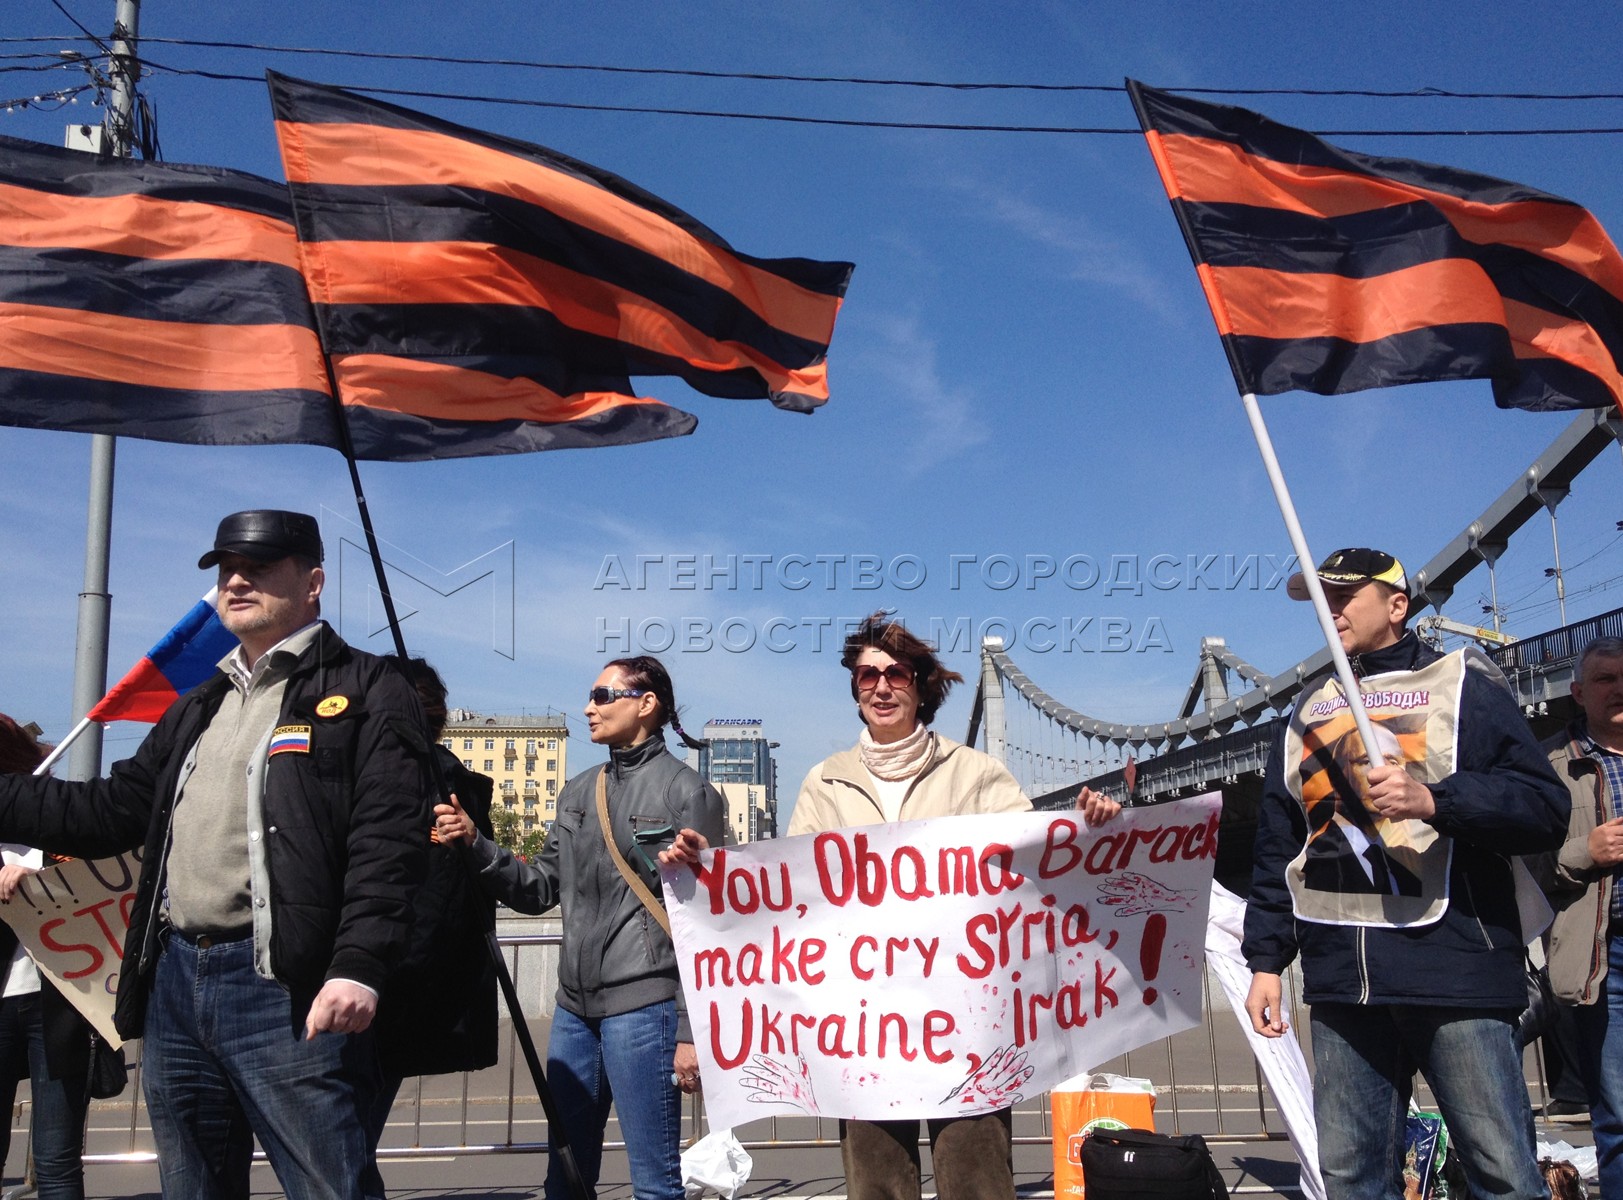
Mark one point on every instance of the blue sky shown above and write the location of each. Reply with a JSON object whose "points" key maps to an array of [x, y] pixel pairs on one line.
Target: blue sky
{"points": [[1024, 366]]}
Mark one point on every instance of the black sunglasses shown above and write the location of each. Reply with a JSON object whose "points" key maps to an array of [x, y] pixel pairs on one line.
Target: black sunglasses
{"points": [[608, 695]]}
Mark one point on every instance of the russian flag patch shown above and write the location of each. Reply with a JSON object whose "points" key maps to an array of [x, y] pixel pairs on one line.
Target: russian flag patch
{"points": [[290, 739]]}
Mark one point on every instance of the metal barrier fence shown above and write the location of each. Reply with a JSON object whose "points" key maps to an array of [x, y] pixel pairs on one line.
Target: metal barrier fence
{"points": [[1206, 1082]]}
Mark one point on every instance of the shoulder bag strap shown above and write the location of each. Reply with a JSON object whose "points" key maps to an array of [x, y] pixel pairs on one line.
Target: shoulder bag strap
{"points": [[633, 880]]}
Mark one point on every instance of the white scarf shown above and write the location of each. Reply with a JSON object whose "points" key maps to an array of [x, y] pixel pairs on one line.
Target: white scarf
{"points": [[900, 759]]}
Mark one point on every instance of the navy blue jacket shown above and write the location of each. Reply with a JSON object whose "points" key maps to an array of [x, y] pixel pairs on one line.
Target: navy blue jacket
{"points": [[1504, 800]]}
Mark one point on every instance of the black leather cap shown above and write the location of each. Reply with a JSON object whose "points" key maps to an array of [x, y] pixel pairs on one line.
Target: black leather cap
{"points": [[265, 535]]}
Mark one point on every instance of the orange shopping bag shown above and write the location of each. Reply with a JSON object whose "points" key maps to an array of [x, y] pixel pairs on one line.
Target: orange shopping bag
{"points": [[1087, 1102]]}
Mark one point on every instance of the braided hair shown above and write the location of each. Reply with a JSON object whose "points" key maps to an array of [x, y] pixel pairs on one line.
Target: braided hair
{"points": [[647, 674]]}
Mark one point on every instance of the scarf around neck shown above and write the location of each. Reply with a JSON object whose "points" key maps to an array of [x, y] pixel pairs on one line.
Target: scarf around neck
{"points": [[897, 760]]}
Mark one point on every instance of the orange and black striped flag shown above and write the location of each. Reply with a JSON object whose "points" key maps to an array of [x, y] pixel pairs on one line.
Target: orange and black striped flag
{"points": [[498, 293], [1329, 271], [153, 300]]}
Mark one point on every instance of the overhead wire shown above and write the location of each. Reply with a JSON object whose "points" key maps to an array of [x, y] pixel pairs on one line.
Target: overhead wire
{"points": [[857, 80], [1424, 93], [846, 122]]}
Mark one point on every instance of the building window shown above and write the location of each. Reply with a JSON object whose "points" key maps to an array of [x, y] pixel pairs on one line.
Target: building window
{"points": [[490, 764], [529, 766], [552, 743], [507, 785], [468, 762], [490, 743], [529, 746], [552, 788], [467, 743], [552, 764], [551, 805], [512, 743]]}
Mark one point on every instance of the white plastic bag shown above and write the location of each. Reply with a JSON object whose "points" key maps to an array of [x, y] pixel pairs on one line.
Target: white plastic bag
{"points": [[716, 1163]]}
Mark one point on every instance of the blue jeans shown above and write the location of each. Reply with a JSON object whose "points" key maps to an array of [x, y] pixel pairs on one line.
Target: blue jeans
{"points": [[57, 1124], [1364, 1060], [625, 1059], [1600, 1058], [224, 1062]]}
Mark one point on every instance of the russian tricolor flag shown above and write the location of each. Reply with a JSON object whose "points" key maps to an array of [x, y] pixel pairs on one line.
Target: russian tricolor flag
{"points": [[183, 658]]}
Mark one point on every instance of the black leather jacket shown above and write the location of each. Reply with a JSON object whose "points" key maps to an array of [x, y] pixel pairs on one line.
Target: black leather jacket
{"points": [[343, 824]]}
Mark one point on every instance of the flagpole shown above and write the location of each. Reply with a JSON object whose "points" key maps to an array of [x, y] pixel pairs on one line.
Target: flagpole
{"points": [[62, 746], [1310, 577], [1265, 444], [555, 1130]]}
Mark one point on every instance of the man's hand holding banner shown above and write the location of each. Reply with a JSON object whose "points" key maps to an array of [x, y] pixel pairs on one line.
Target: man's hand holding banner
{"points": [[941, 967]]}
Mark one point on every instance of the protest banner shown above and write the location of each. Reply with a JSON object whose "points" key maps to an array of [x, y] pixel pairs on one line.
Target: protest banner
{"points": [[941, 967], [71, 918]]}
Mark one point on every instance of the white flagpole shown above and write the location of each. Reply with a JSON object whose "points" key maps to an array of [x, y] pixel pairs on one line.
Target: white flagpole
{"points": [[61, 747], [1310, 577]]}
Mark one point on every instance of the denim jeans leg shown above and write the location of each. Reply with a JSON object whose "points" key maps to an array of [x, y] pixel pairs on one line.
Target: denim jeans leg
{"points": [[1600, 1041], [57, 1127], [637, 1050], [225, 1060], [580, 1093], [1472, 1060], [305, 1099], [1362, 1074], [202, 1137]]}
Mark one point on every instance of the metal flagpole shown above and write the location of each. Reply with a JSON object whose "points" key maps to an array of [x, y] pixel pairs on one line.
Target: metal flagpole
{"points": [[95, 601], [1310, 577]]}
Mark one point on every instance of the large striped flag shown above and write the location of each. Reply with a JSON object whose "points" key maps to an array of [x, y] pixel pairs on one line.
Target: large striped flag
{"points": [[1329, 271], [156, 301], [489, 295]]}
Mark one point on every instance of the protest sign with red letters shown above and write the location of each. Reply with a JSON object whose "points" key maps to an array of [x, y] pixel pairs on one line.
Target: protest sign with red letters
{"points": [[71, 918], [942, 967]]}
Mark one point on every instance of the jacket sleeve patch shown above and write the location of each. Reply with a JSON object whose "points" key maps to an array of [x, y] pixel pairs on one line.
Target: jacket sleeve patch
{"points": [[290, 739]]}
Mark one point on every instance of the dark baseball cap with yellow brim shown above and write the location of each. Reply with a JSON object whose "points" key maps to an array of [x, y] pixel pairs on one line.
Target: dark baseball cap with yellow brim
{"points": [[1353, 567]]}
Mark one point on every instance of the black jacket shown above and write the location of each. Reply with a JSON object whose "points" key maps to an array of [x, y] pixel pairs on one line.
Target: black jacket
{"points": [[438, 1014], [1503, 800], [343, 824]]}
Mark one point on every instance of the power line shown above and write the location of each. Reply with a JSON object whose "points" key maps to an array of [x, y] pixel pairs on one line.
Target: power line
{"points": [[847, 122], [46, 101], [1422, 93]]}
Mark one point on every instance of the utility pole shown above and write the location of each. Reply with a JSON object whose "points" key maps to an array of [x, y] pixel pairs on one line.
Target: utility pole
{"points": [[95, 601]]}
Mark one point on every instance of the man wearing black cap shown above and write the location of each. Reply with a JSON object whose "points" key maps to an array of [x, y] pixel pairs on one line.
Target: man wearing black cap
{"points": [[1413, 970], [281, 808]]}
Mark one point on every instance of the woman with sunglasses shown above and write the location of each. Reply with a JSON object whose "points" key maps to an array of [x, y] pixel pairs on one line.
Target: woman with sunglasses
{"points": [[900, 770], [620, 1031]]}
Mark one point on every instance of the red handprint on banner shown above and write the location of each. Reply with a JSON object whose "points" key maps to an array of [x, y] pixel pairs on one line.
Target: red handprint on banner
{"points": [[994, 1083], [1131, 893], [772, 1081]]}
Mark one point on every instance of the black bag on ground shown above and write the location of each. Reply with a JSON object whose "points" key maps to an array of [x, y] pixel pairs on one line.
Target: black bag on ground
{"points": [[1127, 1164]]}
